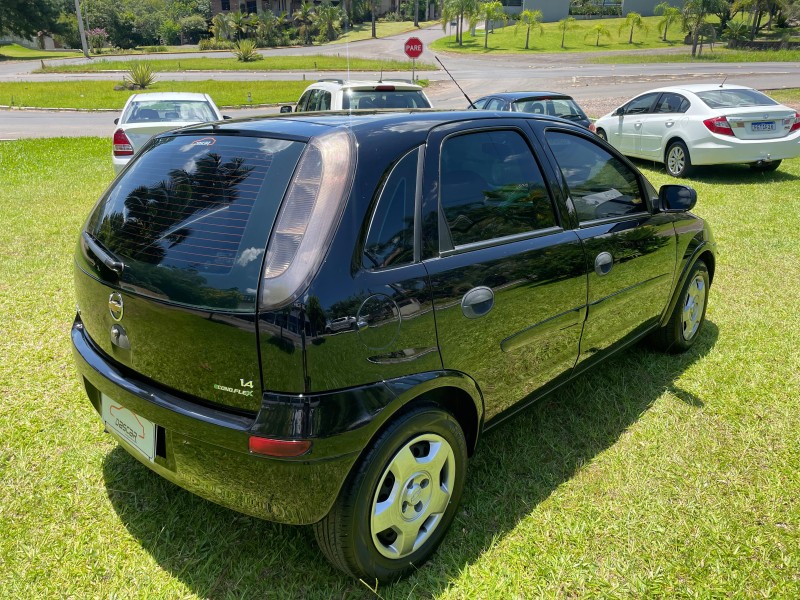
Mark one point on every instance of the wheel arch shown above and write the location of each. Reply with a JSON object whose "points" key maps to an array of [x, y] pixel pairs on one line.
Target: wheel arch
{"points": [[703, 252]]}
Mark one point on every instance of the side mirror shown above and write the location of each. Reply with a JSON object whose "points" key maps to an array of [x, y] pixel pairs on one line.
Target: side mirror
{"points": [[226, 117], [619, 112], [116, 121], [286, 109], [676, 198]]}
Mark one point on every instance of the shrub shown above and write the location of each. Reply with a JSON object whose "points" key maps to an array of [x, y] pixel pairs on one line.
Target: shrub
{"points": [[97, 39], [245, 51], [214, 44], [140, 76], [153, 49]]}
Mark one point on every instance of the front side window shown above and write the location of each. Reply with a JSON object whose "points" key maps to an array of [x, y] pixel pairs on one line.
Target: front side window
{"points": [[600, 184], [492, 187], [390, 240]]}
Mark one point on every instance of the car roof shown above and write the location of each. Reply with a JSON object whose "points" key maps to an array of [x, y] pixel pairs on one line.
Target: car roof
{"points": [[532, 95], [310, 124], [156, 96], [698, 87]]}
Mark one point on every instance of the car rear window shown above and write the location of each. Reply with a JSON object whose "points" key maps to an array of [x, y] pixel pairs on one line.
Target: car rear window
{"points": [[190, 218], [554, 107], [735, 98], [193, 111], [370, 99]]}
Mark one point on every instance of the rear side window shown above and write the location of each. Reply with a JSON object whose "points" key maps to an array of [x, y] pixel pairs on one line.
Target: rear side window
{"points": [[600, 184], [390, 240], [190, 219], [491, 187]]}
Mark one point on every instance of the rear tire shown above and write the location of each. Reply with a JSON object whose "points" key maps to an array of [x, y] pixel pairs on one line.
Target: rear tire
{"points": [[677, 160], [399, 500], [602, 135], [766, 167], [688, 316]]}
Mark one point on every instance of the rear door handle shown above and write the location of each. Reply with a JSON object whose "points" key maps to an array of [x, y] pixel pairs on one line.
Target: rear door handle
{"points": [[603, 263]]}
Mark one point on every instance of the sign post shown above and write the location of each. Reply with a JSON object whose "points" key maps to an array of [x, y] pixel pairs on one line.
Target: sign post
{"points": [[413, 49]]}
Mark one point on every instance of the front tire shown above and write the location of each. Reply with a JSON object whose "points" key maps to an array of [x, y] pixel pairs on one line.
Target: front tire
{"points": [[400, 498], [689, 315], [677, 160]]}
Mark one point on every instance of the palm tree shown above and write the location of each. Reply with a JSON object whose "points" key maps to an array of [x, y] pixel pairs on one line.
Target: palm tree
{"points": [[529, 18], [598, 30], [458, 10], [327, 19], [491, 11], [670, 15], [633, 21], [221, 27], [304, 16], [565, 25], [694, 14], [735, 32]]}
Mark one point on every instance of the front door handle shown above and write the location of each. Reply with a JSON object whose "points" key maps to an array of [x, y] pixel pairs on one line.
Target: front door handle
{"points": [[603, 263], [477, 302]]}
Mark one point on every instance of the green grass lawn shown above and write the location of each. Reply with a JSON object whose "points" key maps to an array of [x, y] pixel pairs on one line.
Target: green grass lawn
{"points": [[270, 63], [17, 52], [101, 94], [717, 54], [653, 476]]}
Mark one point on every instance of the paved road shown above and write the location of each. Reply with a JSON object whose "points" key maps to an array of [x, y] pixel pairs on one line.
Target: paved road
{"points": [[477, 75]]}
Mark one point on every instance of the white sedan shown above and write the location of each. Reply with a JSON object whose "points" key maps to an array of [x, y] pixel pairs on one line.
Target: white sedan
{"points": [[704, 124], [145, 115]]}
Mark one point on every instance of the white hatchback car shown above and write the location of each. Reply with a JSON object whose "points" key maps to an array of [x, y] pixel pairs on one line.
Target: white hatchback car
{"points": [[704, 124], [337, 94], [145, 115]]}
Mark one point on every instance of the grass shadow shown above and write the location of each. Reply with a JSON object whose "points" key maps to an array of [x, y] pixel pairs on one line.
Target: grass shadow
{"points": [[735, 174], [219, 553]]}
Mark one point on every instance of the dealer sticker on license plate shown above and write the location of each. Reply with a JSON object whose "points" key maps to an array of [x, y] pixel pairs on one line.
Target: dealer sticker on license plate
{"points": [[134, 429], [763, 125]]}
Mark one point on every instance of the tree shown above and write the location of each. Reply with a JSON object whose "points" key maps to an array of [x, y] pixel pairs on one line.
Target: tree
{"points": [[695, 13], [458, 11], [327, 20], [735, 32], [670, 16], [529, 19], [304, 17], [598, 30], [221, 27], [26, 17], [565, 25], [491, 11], [633, 20]]}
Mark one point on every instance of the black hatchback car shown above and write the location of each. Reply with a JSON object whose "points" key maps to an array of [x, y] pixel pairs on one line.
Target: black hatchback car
{"points": [[553, 104], [476, 261]]}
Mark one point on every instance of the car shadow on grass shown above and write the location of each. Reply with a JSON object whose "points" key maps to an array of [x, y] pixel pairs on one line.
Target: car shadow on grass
{"points": [[737, 174], [218, 553]]}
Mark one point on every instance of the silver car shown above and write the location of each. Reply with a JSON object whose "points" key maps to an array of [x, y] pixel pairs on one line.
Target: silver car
{"points": [[145, 115]]}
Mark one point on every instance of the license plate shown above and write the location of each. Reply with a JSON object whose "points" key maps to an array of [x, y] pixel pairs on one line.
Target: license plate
{"points": [[763, 126], [137, 431]]}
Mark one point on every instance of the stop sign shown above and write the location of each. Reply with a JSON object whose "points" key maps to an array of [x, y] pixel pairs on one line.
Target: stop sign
{"points": [[413, 47]]}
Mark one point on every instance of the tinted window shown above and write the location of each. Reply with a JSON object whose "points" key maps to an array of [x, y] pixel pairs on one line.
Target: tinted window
{"points": [[389, 98], [191, 217], [671, 103], [600, 185], [303, 102], [732, 98], [491, 187], [495, 104], [640, 105], [390, 241]]}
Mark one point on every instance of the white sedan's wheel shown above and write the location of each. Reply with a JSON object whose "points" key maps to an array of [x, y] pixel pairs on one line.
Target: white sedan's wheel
{"points": [[678, 162]]}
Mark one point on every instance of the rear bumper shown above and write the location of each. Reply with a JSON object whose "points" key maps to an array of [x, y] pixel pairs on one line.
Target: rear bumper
{"points": [[206, 450], [720, 149]]}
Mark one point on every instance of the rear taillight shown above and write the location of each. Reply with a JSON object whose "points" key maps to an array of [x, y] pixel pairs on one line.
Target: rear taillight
{"points": [[592, 128], [796, 123], [122, 145], [308, 217], [719, 125]]}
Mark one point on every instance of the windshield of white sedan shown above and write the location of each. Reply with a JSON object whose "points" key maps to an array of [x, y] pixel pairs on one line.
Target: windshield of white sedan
{"points": [[193, 111], [735, 98]]}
